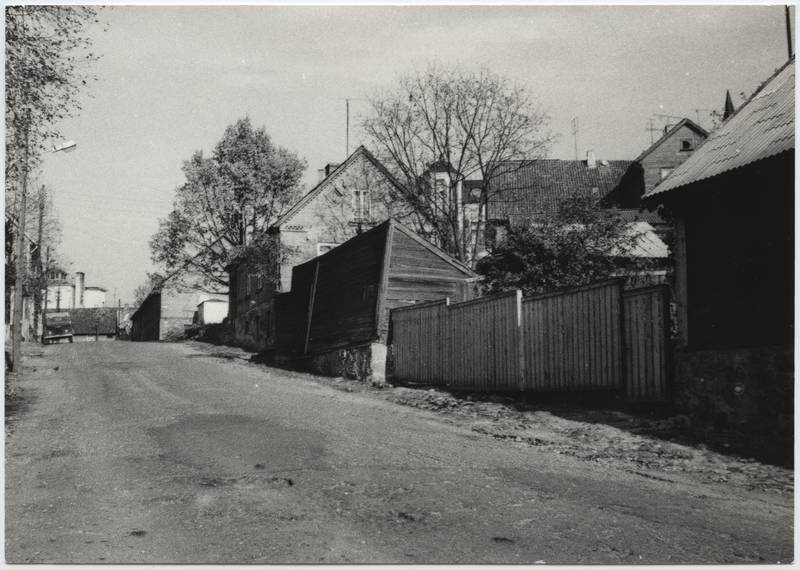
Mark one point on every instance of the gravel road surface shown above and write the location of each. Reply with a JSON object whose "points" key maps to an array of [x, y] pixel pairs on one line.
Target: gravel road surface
{"points": [[144, 453]]}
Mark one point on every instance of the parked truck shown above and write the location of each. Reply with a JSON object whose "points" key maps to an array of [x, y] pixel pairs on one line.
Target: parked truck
{"points": [[57, 327]]}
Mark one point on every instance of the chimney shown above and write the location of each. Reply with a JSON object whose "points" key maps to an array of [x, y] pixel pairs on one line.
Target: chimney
{"points": [[79, 281], [591, 160], [327, 170]]}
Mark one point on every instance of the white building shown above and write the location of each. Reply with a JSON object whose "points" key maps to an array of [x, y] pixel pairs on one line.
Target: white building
{"points": [[212, 311], [94, 297], [64, 292]]}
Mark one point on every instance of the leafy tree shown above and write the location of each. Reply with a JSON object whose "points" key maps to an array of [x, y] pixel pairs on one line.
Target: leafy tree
{"points": [[153, 282], [469, 123], [47, 63], [227, 200], [578, 244]]}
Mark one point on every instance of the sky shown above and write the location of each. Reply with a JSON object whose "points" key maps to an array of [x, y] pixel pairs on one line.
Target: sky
{"points": [[171, 78]]}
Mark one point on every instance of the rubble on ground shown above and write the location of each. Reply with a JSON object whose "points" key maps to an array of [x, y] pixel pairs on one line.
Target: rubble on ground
{"points": [[652, 447]]}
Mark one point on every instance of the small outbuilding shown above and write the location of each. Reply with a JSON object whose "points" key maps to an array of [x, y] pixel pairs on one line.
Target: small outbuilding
{"points": [[339, 304], [166, 313], [212, 311]]}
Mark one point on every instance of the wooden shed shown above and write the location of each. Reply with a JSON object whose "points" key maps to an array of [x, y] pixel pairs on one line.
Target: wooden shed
{"points": [[343, 298]]}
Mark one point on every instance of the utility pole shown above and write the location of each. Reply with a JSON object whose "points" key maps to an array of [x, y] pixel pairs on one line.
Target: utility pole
{"points": [[40, 281], [19, 278], [788, 31]]}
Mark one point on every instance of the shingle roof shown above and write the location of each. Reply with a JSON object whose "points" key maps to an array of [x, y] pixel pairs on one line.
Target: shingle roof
{"points": [[762, 127], [528, 188]]}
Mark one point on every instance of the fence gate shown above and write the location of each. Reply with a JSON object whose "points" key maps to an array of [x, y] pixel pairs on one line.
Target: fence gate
{"points": [[646, 318]]}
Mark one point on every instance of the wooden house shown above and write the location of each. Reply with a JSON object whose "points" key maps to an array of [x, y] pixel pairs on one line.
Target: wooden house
{"points": [[341, 299], [733, 204]]}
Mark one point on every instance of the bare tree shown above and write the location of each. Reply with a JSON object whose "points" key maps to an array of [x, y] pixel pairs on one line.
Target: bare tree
{"points": [[439, 128]]}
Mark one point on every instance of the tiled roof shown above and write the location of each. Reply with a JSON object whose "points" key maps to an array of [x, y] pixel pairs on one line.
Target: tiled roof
{"points": [[762, 127], [528, 188]]}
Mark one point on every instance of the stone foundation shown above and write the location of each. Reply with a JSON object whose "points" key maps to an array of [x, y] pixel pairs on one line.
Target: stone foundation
{"points": [[744, 395], [366, 363]]}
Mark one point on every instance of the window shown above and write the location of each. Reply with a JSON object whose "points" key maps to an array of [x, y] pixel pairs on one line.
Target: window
{"points": [[440, 189], [687, 144], [665, 172], [324, 247], [361, 205]]}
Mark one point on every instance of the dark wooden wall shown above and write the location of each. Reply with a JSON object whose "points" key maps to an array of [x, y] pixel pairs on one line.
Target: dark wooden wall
{"points": [[146, 321], [417, 275], [740, 256]]}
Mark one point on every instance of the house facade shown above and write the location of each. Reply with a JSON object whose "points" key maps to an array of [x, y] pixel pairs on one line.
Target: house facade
{"points": [[350, 198], [733, 204]]}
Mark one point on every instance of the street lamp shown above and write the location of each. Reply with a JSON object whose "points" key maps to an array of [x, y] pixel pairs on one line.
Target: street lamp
{"points": [[16, 317]]}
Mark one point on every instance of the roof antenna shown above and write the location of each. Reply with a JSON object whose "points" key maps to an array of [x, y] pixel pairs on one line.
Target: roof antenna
{"points": [[788, 31], [575, 134]]}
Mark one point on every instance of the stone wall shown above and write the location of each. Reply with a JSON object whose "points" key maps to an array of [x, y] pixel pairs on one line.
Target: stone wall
{"points": [[742, 395], [366, 363]]}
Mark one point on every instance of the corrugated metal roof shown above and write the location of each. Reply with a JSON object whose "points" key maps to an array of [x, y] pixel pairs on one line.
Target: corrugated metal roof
{"points": [[648, 244], [762, 127]]}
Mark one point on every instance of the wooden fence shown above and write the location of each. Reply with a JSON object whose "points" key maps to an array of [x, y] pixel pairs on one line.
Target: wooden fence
{"points": [[646, 326], [593, 337]]}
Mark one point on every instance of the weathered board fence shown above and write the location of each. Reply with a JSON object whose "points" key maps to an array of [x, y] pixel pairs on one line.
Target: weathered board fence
{"points": [[588, 338]]}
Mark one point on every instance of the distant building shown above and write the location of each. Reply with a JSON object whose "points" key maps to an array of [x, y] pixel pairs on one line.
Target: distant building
{"points": [[92, 324], [167, 312], [212, 311], [64, 292], [526, 189], [94, 297]]}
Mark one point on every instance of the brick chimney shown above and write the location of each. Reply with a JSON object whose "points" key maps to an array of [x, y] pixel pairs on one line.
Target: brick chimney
{"points": [[591, 160], [327, 170], [80, 278]]}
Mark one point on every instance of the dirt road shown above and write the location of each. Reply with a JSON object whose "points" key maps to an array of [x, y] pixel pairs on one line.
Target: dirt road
{"points": [[138, 452]]}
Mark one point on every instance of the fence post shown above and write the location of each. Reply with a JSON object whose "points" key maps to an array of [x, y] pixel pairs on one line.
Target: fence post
{"points": [[520, 341]]}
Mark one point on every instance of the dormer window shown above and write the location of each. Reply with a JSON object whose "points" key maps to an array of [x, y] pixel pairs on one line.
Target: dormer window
{"points": [[687, 144]]}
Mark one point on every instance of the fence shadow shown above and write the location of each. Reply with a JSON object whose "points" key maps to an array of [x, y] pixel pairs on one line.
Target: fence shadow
{"points": [[656, 421]]}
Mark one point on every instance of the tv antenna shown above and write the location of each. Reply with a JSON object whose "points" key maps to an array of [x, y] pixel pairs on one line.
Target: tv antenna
{"points": [[347, 131], [575, 134]]}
